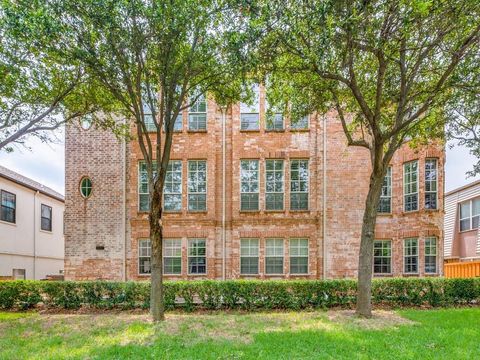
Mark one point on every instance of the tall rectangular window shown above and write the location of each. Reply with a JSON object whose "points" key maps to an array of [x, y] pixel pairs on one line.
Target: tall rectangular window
{"points": [[249, 177], [410, 185], [274, 256], [274, 184], [249, 256], [431, 255], [299, 184], [197, 260], [469, 215], [197, 114], [410, 256], [299, 124], [46, 218], [178, 124], [197, 185], [385, 204], [382, 256], [172, 192], [250, 113], [148, 118], [431, 187], [144, 256], [298, 256], [143, 182], [9, 205], [172, 256]]}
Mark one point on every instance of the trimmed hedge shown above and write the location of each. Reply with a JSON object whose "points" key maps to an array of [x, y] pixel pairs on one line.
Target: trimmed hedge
{"points": [[238, 294]]}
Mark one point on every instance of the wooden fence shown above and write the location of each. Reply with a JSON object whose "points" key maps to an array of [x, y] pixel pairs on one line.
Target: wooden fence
{"points": [[462, 269]]}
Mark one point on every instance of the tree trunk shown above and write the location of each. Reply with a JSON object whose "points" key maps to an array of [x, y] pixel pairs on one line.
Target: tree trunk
{"points": [[365, 261], [157, 307]]}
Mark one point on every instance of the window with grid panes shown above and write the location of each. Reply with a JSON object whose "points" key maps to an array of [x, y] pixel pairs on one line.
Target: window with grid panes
{"points": [[410, 185], [469, 215], [385, 204], [274, 256], [197, 114], [197, 256], [144, 256], [143, 193], [250, 113], [172, 191], [382, 256], [299, 185], [249, 256], [274, 178], [431, 255], [172, 256], [298, 256], [249, 186], [410, 255], [46, 217], [431, 186], [299, 124], [8, 207], [197, 185]]}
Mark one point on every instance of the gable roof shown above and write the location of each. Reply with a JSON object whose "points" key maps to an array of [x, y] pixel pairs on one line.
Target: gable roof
{"points": [[29, 183]]}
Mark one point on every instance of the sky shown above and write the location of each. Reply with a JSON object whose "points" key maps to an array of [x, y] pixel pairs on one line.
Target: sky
{"points": [[45, 163]]}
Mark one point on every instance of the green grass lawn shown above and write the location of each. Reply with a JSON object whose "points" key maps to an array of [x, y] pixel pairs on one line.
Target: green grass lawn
{"points": [[407, 334]]}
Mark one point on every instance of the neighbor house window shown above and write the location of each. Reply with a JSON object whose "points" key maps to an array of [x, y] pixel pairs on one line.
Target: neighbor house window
{"points": [[431, 187], [274, 256], [144, 256], [410, 255], [431, 255], [274, 184], [250, 113], [197, 261], [197, 114], [410, 185], [299, 124], [469, 215], [385, 204], [249, 187], [172, 256], [9, 205], [248, 256], [143, 193], [382, 256], [299, 184], [46, 218], [172, 193], [85, 187], [298, 256], [197, 185]]}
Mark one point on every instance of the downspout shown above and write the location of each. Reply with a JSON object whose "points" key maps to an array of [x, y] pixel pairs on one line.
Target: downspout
{"points": [[35, 235], [324, 197], [224, 162], [124, 210]]}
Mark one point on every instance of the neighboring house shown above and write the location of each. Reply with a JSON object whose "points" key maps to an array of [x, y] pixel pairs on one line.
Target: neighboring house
{"points": [[249, 198], [462, 220], [31, 228]]}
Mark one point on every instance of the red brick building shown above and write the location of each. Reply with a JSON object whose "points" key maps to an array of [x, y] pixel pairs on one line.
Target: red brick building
{"points": [[249, 198]]}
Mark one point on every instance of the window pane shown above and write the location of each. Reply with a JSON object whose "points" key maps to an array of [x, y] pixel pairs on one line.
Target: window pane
{"points": [[298, 256], [274, 184], [197, 262], [385, 204], [274, 256], [274, 121], [144, 253], [410, 185], [8, 206], [197, 116], [249, 185], [431, 184], [410, 255], [172, 197], [299, 185], [300, 124], [197, 185], [382, 257]]}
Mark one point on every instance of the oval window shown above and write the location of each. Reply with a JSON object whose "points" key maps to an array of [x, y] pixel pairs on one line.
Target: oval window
{"points": [[86, 122], [86, 187]]}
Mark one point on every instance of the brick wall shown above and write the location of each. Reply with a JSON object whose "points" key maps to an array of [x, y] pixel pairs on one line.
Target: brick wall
{"points": [[98, 219]]}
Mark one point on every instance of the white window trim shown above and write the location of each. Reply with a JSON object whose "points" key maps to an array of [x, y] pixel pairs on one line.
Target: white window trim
{"points": [[470, 217], [391, 192], [290, 256], [138, 256], [418, 257], [283, 256], [391, 258], [404, 186], [244, 106], [181, 188], [197, 193], [250, 256], [436, 184], [198, 113], [188, 256], [300, 192], [283, 185], [258, 185], [173, 257], [425, 255]]}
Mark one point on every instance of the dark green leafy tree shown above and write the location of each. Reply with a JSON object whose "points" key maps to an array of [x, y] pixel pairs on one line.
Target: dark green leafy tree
{"points": [[155, 59], [386, 66]]}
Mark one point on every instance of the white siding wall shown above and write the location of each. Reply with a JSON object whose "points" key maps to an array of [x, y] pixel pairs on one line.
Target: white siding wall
{"points": [[451, 216]]}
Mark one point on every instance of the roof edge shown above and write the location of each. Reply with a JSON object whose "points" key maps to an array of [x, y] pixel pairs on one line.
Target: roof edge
{"points": [[16, 181], [451, 192]]}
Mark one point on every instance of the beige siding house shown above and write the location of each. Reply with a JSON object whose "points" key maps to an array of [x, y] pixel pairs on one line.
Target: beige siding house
{"points": [[31, 228], [462, 221]]}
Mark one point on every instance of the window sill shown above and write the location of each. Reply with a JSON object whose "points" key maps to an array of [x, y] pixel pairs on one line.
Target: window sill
{"points": [[172, 211], [197, 131], [274, 130], [205, 274], [197, 212], [275, 211], [299, 130], [467, 231], [300, 211], [8, 223], [386, 275], [249, 211], [249, 130], [385, 214], [46, 231], [410, 212], [411, 274]]}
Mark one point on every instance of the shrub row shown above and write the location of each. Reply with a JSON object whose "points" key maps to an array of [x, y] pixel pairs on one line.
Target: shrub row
{"points": [[238, 294]]}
